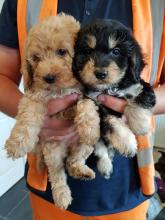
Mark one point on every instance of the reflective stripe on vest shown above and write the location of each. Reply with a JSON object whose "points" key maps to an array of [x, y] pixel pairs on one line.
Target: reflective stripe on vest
{"points": [[29, 12], [145, 157], [146, 163], [32, 13], [142, 28]]}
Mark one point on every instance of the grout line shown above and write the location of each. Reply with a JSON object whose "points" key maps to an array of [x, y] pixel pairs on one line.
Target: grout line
{"points": [[19, 203], [3, 218]]}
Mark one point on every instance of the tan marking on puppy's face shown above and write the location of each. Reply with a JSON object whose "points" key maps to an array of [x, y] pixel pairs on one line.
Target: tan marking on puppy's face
{"points": [[91, 41], [87, 74], [114, 74], [112, 42], [50, 50]]}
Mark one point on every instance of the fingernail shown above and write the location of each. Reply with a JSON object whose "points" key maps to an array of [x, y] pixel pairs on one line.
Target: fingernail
{"points": [[74, 96], [101, 98]]}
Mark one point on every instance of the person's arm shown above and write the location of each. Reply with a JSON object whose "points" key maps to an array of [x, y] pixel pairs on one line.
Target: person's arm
{"points": [[9, 80], [160, 94]]}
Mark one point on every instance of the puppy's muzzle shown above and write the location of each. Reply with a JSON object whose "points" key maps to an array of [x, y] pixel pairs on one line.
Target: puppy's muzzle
{"points": [[49, 78], [101, 74]]}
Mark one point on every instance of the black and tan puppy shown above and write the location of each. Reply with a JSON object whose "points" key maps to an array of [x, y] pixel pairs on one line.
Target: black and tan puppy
{"points": [[108, 60]]}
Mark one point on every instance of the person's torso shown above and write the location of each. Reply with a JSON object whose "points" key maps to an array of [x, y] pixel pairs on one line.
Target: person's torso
{"points": [[122, 191]]}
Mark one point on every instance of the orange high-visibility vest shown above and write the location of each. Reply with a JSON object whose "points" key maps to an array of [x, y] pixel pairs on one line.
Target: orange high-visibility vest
{"points": [[143, 32]]}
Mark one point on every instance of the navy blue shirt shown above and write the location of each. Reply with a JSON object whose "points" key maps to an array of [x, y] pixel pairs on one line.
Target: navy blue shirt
{"points": [[99, 196]]}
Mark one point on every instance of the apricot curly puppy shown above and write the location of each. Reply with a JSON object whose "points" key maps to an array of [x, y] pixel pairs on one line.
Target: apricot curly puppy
{"points": [[47, 66]]}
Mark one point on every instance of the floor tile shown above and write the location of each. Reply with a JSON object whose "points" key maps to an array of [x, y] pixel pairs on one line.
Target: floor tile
{"points": [[21, 185], [23, 211], [10, 200], [161, 215], [2, 218]]}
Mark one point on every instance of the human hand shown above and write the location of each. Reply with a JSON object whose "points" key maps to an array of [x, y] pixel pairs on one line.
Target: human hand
{"points": [[57, 129], [113, 103]]}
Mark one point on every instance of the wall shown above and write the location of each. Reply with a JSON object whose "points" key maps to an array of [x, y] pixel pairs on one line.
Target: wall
{"points": [[160, 131], [1, 3]]}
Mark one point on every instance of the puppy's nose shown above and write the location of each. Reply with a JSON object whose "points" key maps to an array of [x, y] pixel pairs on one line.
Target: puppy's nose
{"points": [[49, 78], [101, 74]]}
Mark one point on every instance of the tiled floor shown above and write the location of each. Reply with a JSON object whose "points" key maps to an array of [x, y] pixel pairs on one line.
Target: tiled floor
{"points": [[161, 215], [14, 205]]}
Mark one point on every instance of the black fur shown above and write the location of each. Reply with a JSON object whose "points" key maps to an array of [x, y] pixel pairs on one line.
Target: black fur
{"points": [[131, 56], [130, 59]]}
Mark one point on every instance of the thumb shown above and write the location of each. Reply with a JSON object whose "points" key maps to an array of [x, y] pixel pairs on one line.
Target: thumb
{"points": [[113, 103], [59, 104]]}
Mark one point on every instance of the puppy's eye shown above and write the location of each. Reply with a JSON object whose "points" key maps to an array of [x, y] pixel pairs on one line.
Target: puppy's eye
{"points": [[115, 52], [61, 52], [36, 58]]}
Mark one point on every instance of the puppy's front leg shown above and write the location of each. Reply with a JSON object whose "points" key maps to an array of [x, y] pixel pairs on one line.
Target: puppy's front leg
{"points": [[24, 134], [120, 136], [54, 155], [40, 163], [104, 163], [138, 118], [87, 122], [139, 110], [76, 160]]}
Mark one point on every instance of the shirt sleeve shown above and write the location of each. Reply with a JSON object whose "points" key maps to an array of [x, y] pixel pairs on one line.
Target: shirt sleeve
{"points": [[8, 24]]}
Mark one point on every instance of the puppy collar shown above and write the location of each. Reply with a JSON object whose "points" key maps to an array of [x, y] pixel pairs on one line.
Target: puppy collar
{"points": [[113, 91]]}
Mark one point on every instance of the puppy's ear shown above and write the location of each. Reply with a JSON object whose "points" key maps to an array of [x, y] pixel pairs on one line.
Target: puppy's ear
{"points": [[27, 73], [136, 62]]}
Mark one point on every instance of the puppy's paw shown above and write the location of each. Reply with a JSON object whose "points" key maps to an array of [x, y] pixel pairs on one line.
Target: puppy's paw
{"points": [[124, 142], [138, 119], [141, 127], [17, 148], [81, 172], [130, 146], [62, 197], [105, 167], [14, 149]]}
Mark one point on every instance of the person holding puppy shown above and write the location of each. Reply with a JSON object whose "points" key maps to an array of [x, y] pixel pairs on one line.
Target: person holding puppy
{"points": [[120, 197]]}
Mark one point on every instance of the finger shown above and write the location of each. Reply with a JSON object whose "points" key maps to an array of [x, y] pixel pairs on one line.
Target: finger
{"points": [[73, 140], [46, 133], [56, 124], [56, 105], [61, 138], [113, 103]]}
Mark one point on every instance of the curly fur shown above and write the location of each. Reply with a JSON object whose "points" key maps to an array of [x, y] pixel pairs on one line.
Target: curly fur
{"points": [[47, 68], [108, 60]]}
